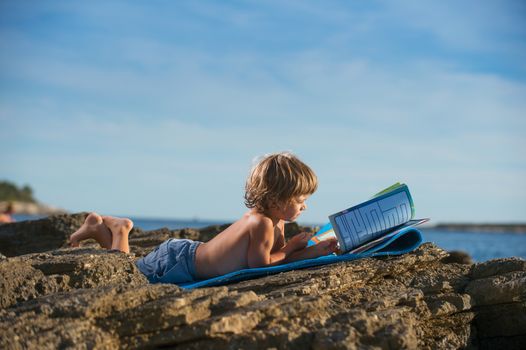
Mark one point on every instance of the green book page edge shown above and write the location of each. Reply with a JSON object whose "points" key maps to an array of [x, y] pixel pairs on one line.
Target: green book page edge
{"points": [[388, 189], [394, 187]]}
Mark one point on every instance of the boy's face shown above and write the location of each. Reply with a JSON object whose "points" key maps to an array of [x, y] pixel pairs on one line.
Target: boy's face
{"points": [[291, 210]]}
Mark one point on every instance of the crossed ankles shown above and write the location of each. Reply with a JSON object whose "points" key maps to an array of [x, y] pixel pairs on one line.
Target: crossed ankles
{"points": [[110, 232]]}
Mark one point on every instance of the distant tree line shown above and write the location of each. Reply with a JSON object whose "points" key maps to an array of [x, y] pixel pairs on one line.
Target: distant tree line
{"points": [[11, 192]]}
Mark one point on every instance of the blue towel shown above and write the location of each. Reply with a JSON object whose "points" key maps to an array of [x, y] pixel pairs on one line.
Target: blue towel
{"points": [[403, 242]]}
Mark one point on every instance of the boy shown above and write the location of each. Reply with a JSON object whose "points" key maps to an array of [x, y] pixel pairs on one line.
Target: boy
{"points": [[275, 192]]}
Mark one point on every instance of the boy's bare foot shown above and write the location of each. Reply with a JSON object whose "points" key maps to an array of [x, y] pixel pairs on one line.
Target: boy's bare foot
{"points": [[93, 227], [120, 228]]}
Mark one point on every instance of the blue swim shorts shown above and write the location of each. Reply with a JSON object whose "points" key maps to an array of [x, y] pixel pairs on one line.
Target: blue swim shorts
{"points": [[171, 262]]}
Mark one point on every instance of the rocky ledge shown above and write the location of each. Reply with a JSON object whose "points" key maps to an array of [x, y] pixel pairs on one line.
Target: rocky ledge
{"points": [[59, 297]]}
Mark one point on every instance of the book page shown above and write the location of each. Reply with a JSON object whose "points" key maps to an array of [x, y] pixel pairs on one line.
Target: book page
{"points": [[371, 219], [381, 239]]}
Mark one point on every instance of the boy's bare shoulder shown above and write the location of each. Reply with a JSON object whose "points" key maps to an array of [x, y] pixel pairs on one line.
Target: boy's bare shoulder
{"points": [[259, 222]]}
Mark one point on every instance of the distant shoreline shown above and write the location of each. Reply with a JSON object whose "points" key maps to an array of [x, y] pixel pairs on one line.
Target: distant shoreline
{"points": [[30, 208], [483, 227]]}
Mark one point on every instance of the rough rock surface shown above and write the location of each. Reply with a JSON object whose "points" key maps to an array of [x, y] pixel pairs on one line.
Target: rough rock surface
{"points": [[91, 298], [39, 235]]}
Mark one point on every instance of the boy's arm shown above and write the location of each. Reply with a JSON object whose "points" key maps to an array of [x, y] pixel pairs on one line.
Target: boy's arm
{"points": [[260, 246], [323, 248]]}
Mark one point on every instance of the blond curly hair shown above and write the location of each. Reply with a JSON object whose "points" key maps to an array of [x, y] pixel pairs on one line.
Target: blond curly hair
{"points": [[278, 178]]}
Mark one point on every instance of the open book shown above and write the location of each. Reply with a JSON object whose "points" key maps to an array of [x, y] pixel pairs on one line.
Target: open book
{"points": [[371, 223]]}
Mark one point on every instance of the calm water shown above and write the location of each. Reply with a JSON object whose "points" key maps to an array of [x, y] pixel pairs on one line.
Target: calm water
{"points": [[481, 246]]}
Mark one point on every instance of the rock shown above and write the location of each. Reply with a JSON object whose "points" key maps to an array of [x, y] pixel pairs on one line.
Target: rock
{"points": [[292, 229], [93, 298], [31, 276], [39, 235], [457, 257]]}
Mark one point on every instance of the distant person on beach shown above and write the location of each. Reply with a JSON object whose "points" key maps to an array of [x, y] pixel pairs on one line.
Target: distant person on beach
{"points": [[7, 215], [275, 192]]}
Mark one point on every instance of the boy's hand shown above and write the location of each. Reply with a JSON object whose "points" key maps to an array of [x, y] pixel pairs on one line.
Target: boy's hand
{"points": [[299, 241], [327, 246]]}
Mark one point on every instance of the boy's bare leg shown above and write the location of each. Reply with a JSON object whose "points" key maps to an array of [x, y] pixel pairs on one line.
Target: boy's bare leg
{"points": [[93, 227], [120, 229]]}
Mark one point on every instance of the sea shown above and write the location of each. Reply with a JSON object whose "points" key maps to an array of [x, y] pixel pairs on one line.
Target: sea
{"points": [[481, 246]]}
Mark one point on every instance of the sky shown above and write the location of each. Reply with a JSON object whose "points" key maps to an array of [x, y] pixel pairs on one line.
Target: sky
{"points": [[158, 108]]}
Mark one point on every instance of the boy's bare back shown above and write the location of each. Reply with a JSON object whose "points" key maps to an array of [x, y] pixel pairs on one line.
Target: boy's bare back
{"points": [[229, 250], [257, 240]]}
